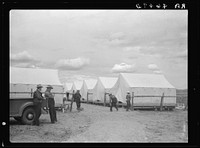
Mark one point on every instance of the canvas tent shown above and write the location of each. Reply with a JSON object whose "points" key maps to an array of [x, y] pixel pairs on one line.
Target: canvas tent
{"points": [[145, 85], [104, 84], [68, 88], [88, 86], [23, 82], [77, 85]]}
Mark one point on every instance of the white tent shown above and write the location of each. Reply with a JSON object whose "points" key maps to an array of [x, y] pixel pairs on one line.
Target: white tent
{"points": [[68, 87], [104, 84], [144, 85], [77, 85], [88, 86], [23, 81]]}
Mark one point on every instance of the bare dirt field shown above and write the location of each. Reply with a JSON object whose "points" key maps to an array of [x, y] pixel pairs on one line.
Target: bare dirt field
{"points": [[98, 124]]}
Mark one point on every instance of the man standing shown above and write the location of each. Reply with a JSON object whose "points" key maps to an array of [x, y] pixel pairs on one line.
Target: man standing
{"points": [[113, 102], [77, 99], [51, 104], [67, 95], [37, 101], [128, 101]]}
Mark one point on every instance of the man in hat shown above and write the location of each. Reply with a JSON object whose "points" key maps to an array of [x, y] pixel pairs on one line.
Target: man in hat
{"points": [[37, 101], [128, 101], [113, 102], [77, 99], [51, 104]]}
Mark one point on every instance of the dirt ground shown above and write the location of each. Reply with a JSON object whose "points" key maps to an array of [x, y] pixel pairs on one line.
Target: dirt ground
{"points": [[98, 124]]}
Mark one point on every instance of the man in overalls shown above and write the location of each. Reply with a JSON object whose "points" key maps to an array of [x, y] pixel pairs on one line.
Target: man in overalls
{"points": [[128, 101], [51, 104]]}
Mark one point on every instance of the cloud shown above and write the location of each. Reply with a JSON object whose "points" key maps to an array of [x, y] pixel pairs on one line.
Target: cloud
{"points": [[24, 65], [118, 35], [123, 67], [153, 67], [23, 59], [112, 39], [157, 71], [174, 55], [73, 78], [134, 49], [72, 64]]}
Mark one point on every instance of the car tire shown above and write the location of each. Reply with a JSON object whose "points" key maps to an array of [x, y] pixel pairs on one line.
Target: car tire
{"points": [[28, 116]]}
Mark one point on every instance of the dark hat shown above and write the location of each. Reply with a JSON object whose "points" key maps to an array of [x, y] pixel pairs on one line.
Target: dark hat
{"points": [[49, 86], [39, 86], [128, 92], [110, 94]]}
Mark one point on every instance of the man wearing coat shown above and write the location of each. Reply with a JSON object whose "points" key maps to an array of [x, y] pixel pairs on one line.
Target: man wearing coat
{"points": [[37, 101], [77, 99], [51, 104], [113, 102]]}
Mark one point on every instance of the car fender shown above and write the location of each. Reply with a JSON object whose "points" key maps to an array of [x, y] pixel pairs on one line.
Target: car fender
{"points": [[27, 104]]}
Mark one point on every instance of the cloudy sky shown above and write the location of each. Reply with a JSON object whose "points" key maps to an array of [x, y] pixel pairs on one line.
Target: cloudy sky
{"points": [[90, 43]]}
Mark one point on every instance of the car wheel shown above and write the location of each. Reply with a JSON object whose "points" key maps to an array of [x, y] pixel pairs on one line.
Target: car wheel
{"points": [[28, 116]]}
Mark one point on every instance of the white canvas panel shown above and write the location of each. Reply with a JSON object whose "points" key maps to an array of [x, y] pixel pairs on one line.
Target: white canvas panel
{"points": [[90, 98], [90, 83], [104, 84], [120, 88], [24, 91], [88, 86], [25, 80], [34, 76], [84, 91], [146, 80], [77, 85], [68, 87], [154, 101], [126, 83], [32, 87], [108, 82], [153, 92]]}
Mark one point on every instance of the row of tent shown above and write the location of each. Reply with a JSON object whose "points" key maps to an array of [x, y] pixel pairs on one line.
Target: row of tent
{"points": [[92, 89], [146, 88]]}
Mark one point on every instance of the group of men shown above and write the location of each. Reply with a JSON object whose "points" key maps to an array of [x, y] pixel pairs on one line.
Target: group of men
{"points": [[113, 101], [37, 101]]}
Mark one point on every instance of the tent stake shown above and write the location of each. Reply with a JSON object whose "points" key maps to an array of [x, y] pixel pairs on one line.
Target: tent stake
{"points": [[132, 100], [87, 97], [161, 102], [31, 92]]}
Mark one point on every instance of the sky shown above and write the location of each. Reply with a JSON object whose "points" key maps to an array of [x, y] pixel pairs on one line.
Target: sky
{"points": [[84, 44]]}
